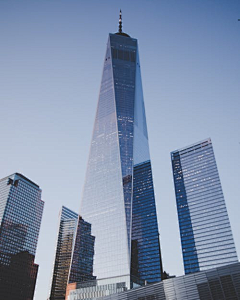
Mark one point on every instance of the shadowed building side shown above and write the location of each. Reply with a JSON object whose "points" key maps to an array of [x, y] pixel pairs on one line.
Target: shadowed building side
{"points": [[74, 253]]}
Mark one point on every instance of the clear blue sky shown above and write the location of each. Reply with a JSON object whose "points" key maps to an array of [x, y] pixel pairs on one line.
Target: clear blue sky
{"points": [[51, 59]]}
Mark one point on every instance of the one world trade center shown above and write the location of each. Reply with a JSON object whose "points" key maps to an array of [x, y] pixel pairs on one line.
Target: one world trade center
{"points": [[118, 195]]}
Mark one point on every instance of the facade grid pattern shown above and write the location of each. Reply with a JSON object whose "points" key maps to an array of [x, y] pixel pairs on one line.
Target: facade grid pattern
{"points": [[74, 253], [205, 230], [222, 283], [21, 211]]}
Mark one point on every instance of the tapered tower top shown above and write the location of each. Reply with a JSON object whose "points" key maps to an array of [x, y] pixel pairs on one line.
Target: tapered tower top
{"points": [[120, 26]]}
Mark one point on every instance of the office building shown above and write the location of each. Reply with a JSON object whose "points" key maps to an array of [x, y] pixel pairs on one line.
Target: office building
{"points": [[118, 196], [21, 211], [206, 235], [74, 253]]}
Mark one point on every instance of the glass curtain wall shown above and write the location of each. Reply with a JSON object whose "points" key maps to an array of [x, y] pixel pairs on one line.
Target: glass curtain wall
{"points": [[205, 230], [117, 192], [21, 211]]}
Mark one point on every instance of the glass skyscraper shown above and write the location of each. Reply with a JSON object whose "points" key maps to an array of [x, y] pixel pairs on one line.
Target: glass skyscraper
{"points": [[21, 211], [74, 253], [206, 235], [118, 196]]}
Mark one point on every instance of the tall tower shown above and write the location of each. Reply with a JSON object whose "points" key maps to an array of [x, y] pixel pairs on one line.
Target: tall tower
{"points": [[206, 235], [118, 196], [65, 244], [74, 253], [21, 211]]}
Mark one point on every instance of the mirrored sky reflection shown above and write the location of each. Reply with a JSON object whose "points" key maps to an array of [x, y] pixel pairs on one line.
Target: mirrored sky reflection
{"points": [[51, 59]]}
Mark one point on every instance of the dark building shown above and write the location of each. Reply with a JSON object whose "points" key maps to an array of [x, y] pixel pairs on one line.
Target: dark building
{"points": [[21, 211], [74, 253], [205, 230], [83, 254]]}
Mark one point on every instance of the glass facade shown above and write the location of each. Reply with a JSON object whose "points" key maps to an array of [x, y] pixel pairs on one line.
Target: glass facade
{"points": [[118, 190], [206, 235], [145, 241], [74, 253], [221, 283], [65, 241], [83, 254], [21, 211]]}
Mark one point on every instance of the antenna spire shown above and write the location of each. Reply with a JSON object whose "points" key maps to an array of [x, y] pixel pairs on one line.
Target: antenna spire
{"points": [[120, 32], [120, 22]]}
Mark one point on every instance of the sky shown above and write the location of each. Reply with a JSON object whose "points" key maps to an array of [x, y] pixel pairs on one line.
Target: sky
{"points": [[51, 60]]}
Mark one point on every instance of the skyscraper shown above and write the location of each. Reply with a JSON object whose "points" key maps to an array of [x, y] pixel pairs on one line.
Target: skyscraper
{"points": [[118, 196], [74, 253], [21, 211], [206, 235]]}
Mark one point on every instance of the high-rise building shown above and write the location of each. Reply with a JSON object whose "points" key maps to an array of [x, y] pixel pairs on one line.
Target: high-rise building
{"points": [[21, 211], [118, 196], [65, 243], [74, 253], [206, 235]]}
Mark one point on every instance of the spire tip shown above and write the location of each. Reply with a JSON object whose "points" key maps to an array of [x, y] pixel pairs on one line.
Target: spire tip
{"points": [[120, 22]]}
